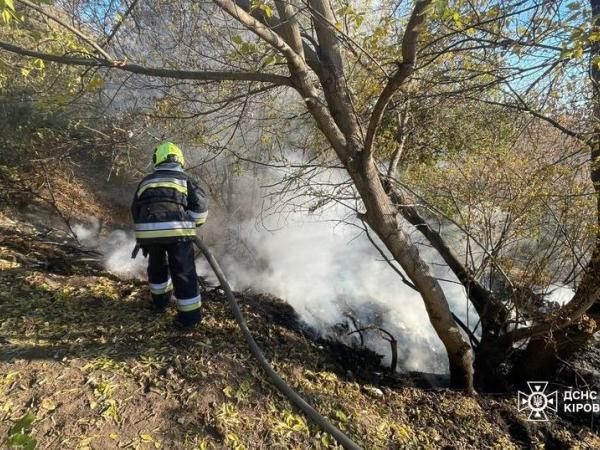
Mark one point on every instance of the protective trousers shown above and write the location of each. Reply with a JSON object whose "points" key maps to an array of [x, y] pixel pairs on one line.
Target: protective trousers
{"points": [[171, 267]]}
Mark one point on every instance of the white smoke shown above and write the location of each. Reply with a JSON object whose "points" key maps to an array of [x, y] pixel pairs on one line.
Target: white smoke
{"points": [[322, 268], [116, 248], [324, 265], [324, 271]]}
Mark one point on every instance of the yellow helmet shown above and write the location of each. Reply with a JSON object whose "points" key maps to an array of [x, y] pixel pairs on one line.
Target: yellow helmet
{"points": [[168, 151]]}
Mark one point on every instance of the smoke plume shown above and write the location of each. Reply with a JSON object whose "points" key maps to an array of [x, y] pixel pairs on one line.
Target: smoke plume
{"points": [[325, 269], [116, 248]]}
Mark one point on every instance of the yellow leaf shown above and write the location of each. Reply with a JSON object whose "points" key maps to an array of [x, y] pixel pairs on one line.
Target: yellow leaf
{"points": [[228, 391], [48, 404]]}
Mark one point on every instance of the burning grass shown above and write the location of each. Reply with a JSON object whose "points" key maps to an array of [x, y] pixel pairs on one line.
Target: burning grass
{"points": [[86, 364]]}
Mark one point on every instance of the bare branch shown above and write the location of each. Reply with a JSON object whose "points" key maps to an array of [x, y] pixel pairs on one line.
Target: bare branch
{"points": [[401, 136], [479, 295], [405, 280], [300, 76], [526, 108], [119, 23], [152, 71], [466, 329], [72, 29]]}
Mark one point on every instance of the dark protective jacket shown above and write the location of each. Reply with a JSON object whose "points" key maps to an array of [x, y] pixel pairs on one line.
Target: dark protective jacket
{"points": [[168, 206]]}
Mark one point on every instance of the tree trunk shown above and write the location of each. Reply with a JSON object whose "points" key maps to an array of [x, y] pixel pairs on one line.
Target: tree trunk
{"points": [[339, 124], [492, 363], [382, 217]]}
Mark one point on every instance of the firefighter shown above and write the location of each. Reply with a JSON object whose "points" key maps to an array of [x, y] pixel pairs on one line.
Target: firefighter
{"points": [[167, 208]]}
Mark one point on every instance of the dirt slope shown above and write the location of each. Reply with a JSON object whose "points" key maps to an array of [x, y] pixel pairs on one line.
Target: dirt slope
{"points": [[86, 364]]}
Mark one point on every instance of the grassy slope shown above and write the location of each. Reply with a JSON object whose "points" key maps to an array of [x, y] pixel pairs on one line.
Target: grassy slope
{"points": [[84, 356]]}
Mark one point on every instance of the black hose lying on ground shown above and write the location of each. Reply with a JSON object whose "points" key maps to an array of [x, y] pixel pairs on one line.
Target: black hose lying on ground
{"points": [[283, 387]]}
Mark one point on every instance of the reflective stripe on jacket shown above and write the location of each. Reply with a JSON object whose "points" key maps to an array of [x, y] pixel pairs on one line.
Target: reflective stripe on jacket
{"points": [[168, 206]]}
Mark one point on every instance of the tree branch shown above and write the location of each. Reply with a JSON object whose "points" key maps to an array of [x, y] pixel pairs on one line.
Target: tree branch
{"points": [[309, 55], [151, 71], [332, 75], [523, 107], [466, 329], [587, 294], [405, 280], [407, 67], [264, 32], [289, 25], [120, 22], [401, 136], [72, 29], [300, 76], [486, 305]]}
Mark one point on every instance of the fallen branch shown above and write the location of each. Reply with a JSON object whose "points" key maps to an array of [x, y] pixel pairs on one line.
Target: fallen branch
{"points": [[388, 337]]}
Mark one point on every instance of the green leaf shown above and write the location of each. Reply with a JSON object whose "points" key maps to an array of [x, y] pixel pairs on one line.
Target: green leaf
{"points": [[566, 53], [22, 441], [457, 21], [246, 48], [18, 434], [358, 20], [23, 425], [269, 60], [228, 391], [593, 37], [266, 9]]}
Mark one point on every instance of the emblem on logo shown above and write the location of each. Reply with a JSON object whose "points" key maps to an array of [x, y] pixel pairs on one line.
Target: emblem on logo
{"points": [[537, 401]]}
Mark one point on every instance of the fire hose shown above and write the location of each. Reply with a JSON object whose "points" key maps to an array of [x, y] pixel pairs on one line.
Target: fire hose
{"points": [[283, 387]]}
